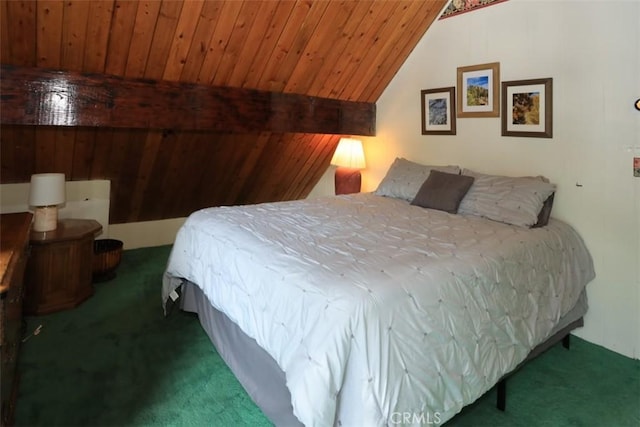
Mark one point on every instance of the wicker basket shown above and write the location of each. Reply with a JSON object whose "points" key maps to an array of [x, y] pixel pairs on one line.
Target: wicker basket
{"points": [[107, 254]]}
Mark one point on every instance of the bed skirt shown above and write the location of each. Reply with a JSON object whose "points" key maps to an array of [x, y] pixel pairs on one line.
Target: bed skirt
{"points": [[261, 376]]}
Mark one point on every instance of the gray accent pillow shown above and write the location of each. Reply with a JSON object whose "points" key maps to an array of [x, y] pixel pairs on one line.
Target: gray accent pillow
{"points": [[404, 178], [512, 200], [443, 191]]}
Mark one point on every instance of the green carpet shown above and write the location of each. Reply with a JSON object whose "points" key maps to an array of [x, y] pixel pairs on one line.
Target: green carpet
{"points": [[116, 361]]}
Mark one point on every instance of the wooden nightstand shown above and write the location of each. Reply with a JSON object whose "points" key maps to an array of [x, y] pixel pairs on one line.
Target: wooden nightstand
{"points": [[59, 270]]}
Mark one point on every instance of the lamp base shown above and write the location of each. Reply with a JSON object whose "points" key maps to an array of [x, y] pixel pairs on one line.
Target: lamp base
{"points": [[45, 218], [347, 180]]}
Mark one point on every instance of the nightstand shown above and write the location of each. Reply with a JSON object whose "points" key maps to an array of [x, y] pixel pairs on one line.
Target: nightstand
{"points": [[60, 267]]}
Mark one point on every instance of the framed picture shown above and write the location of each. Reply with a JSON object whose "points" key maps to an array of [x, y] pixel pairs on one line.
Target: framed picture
{"points": [[438, 111], [479, 90], [527, 108]]}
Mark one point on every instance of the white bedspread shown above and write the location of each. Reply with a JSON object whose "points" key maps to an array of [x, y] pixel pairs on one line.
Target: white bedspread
{"points": [[377, 311]]}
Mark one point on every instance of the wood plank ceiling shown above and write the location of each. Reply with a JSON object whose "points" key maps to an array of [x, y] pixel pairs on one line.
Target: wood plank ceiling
{"points": [[346, 50]]}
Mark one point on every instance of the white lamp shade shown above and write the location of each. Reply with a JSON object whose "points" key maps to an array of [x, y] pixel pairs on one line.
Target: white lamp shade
{"points": [[47, 189], [349, 154]]}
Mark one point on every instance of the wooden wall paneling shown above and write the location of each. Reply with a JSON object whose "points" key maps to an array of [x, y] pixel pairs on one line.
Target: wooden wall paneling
{"points": [[113, 169], [299, 148], [265, 49], [21, 17], [17, 154], [45, 149], [83, 154], [5, 45], [63, 151], [231, 56], [126, 164], [162, 36], [327, 35], [124, 16], [284, 52], [96, 44], [301, 179], [388, 35], [276, 167], [204, 31], [8, 170], [367, 43], [50, 16], [152, 203], [412, 32], [325, 144], [338, 49], [302, 148], [260, 172], [181, 176], [143, 30], [206, 181], [198, 168], [257, 35], [219, 40], [101, 153], [25, 153], [219, 151], [322, 162], [182, 40], [74, 34], [237, 191], [148, 158], [235, 163], [292, 47]]}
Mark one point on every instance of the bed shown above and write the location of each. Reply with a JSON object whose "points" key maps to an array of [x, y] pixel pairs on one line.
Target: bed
{"points": [[370, 309]]}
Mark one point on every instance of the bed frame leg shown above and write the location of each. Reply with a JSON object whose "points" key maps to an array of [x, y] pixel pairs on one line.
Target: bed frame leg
{"points": [[502, 395], [566, 341]]}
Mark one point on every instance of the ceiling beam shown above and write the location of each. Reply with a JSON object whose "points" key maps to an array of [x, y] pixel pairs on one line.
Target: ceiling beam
{"points": [[42, 97]]}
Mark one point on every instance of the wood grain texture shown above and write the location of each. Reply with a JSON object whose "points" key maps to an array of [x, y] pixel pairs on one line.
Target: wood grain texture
{"points": [[341, 50], [41, 97]]}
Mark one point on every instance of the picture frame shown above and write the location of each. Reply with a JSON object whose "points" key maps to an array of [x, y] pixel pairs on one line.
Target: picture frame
{"points": [[527, 108], [479, 90], [438, 111]]}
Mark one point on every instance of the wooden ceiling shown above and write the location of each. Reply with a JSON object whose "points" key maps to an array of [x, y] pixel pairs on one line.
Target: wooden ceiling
{"points": [[345, 50]]}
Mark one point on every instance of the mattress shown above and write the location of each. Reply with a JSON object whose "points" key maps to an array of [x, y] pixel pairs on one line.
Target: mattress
{"points": [[372, 307]]}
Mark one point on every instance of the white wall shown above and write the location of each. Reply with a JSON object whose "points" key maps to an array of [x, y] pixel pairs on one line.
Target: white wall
{"points": [[591, 49], [90, 200], [84, 200]]}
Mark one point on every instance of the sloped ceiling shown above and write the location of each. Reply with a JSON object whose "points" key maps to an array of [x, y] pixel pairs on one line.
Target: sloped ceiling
{"points": [[347, 50]]}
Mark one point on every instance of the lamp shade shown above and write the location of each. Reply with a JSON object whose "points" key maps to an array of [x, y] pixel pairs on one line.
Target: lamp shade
{"points": [[349, 154], [47, 189]]}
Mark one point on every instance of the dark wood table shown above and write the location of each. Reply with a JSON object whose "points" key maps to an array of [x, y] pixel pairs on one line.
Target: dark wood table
{"points": [[59, 270]]}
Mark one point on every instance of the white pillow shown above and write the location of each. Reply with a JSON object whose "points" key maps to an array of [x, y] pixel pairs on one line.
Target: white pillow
{"points": [[513, 200], [404, 178]]}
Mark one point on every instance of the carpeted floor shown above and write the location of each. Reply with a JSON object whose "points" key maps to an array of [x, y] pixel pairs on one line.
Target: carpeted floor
{"points": [[116, 361]]}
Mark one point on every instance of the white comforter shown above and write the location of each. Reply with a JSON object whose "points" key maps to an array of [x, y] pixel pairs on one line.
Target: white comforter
{"points": [[377, 311]]}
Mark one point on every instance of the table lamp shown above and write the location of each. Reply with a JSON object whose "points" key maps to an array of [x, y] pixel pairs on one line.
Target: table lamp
{"points": [[349, 157], [47, 191]]}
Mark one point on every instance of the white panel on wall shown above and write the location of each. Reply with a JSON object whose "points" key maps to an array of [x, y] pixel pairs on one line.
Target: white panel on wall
{"points": [[85, 200]]}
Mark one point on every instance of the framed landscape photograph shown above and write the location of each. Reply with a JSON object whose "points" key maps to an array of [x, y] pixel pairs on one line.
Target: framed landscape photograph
{"points": [[527, 108], [438, 111], [479, 90]]}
